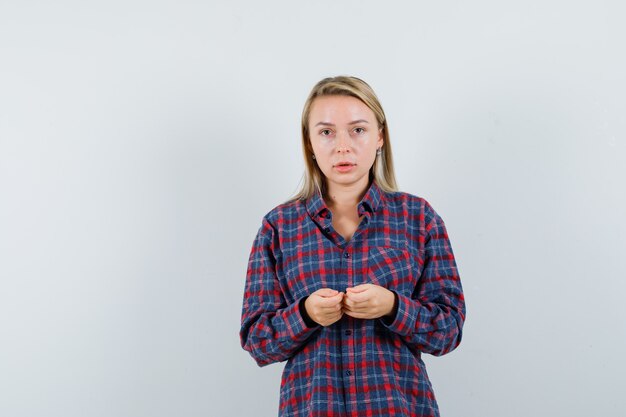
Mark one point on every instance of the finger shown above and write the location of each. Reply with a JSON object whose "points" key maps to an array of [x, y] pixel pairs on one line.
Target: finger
{"points": [[358, 297], [326, 292], [332, 317], [334, 309], [338, 298], [352, 302], [328, 309], [357, 315], [329, 303], [359, 288], [336, 315], [356, 308]]}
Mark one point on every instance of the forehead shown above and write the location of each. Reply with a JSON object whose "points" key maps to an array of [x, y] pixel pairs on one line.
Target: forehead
{"points": [[338, 109]]}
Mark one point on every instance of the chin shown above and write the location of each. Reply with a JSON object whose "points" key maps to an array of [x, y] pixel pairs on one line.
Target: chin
{"points": [[348, 179]]}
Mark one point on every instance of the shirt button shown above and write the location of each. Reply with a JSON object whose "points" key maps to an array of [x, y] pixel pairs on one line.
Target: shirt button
{"points": [[346, 255], [348, 332], [348, 373], [327, 229]]}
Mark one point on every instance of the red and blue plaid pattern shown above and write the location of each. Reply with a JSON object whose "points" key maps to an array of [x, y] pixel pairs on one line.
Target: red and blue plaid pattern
{"points": [[354, 367]]}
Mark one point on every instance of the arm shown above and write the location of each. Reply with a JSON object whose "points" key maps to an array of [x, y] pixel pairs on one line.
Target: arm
{"points": [[431, 320], [271, 329]]}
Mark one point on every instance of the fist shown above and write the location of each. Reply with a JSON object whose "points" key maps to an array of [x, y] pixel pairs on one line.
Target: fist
{"points": [[324, 306], [368, 301]]}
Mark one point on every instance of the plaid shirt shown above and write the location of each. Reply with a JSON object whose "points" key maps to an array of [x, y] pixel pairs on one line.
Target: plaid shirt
{"points": [[354, 367]]}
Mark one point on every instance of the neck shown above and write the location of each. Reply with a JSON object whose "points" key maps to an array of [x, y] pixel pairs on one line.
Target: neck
{"points": [[346, 195]]}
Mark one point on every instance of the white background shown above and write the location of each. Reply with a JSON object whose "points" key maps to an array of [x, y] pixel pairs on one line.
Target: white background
{"points": [[141, 142]]}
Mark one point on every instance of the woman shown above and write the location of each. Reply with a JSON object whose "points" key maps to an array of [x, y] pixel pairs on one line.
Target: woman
{"points": [[351, 280]]}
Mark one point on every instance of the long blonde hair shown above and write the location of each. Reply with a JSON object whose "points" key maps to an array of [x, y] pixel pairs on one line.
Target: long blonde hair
{"points": [[382, 170]]}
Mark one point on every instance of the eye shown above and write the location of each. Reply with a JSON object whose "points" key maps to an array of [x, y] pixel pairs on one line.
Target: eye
{"points": [[325, 132], [359, 130]]}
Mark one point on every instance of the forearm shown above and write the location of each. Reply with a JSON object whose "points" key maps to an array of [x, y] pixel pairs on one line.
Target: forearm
{"points": [[433, 327], [273, 336]]}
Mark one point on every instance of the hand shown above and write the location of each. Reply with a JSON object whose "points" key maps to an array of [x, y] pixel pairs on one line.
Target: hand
{"points": [[368, 301], [324, 306]]}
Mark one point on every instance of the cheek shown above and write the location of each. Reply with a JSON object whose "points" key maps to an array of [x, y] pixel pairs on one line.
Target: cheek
{"points": [[368, 160], [323, 145], [367, 148], [323, 151]]}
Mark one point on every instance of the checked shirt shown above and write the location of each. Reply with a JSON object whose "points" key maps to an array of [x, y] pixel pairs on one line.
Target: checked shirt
{"points": [[354, 367]]}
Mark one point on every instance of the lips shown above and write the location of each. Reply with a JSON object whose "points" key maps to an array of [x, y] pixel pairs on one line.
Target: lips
{"points": [[344, 167], [344, 163]]}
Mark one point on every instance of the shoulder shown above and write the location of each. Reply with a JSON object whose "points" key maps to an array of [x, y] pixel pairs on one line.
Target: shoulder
{"points": [[411, 204], [286, 211], [282, 219], [284, 214]]}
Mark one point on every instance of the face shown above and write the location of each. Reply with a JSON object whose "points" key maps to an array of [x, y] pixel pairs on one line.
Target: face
{"points": [[344, 136]]}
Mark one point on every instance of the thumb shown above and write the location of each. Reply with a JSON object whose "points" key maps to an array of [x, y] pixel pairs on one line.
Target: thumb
{"points": [[359, 288], [326, 292]]}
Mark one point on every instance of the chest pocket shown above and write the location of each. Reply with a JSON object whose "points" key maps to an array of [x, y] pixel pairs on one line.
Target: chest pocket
{"points": [[391, 268]]}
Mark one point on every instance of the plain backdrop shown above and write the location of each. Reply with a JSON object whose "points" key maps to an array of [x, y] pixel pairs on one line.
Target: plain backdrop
{"points": [[141, 143]]}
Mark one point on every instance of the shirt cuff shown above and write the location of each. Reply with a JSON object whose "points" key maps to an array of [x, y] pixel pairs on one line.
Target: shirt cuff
{"points": [[305, 316], [403, 322]]}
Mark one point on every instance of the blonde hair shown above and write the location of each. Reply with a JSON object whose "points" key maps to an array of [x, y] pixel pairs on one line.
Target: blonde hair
{"points": [[382, 170]]}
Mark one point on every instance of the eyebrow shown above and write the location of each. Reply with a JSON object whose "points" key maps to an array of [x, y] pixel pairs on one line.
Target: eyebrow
{"points": [[351, 123]]}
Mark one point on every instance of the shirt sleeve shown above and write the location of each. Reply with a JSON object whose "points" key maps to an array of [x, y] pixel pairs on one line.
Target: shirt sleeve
{"points": [[271, 330], [431, 320]]}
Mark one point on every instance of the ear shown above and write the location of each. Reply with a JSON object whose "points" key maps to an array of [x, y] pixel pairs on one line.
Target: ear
{"points": [[381, 140]]}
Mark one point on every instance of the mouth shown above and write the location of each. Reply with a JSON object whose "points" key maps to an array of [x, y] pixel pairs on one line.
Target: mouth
{"points": [[344, 167]]}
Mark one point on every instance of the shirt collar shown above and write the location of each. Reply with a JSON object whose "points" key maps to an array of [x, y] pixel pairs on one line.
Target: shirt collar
{"points": [[371, 201]]}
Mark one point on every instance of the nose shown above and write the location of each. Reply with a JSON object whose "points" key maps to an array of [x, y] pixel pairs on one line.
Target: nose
{"points": [[343, 142]]}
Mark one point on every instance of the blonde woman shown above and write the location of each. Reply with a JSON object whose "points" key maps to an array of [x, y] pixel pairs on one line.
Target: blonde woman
{"points": [[351, 280]]}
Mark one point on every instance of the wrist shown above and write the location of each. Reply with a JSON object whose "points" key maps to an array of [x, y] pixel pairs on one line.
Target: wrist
{"points": [[393, 309]]}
